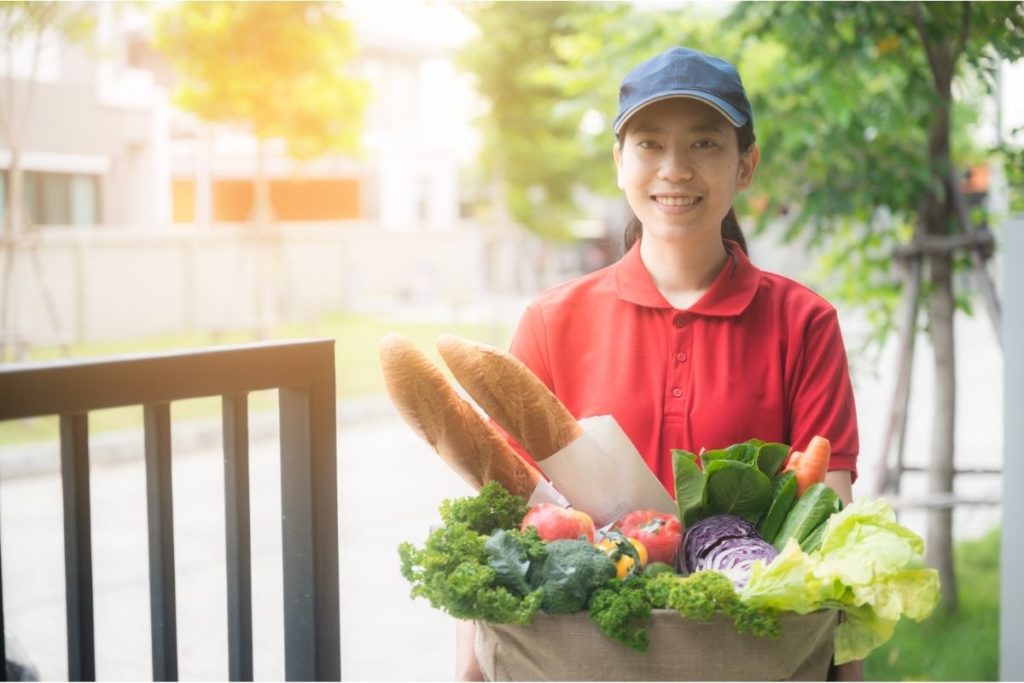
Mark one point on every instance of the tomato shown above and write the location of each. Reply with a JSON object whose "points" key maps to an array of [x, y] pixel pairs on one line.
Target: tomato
{"points": [[660, 533]]}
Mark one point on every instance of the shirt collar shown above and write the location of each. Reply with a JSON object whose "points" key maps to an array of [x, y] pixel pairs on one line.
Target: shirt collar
{"points": [[730, 294]]}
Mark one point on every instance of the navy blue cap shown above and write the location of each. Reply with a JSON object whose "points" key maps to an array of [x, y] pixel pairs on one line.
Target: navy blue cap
{"points": [[682, 72]]}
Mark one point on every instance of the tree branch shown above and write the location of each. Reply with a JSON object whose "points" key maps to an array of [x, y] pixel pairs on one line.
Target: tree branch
{"points": [[965, 31]]}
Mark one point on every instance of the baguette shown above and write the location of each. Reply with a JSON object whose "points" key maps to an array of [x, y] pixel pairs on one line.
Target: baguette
{"points": [[512, 395], [449, 423]]}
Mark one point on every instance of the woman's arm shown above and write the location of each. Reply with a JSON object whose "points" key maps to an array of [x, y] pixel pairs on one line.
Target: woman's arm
{"points": [[467, 668], [842, 483]]}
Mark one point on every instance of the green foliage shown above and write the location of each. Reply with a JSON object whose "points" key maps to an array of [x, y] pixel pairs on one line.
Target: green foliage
{"points": [[452, 572], [620, 607], [279, 68], [492, 508], [847, 124], [568, 573], [951, 647]]}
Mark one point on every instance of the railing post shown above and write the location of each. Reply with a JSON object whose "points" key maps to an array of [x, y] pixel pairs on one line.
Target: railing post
{"points": [[309, 503], [157, 426], [235, 414], [74, 457]]}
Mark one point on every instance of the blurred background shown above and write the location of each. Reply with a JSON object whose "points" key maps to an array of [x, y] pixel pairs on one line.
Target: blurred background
{"points": [[176, 175]]}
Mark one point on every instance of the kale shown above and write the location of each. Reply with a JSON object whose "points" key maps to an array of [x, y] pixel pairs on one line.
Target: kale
{"points": [[493, 508], [618, 606], [452, 572], [701, 594]]}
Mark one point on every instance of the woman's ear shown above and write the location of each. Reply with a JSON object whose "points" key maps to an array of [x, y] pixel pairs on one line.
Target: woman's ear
{"points": [[617, 155], [748, 165]]}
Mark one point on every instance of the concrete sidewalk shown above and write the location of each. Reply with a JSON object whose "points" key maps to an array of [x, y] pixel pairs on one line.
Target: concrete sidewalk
{"points": [[389, 486]]}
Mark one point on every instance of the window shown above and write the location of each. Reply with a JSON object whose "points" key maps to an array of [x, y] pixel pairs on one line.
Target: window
{"points": [[57, 198]]}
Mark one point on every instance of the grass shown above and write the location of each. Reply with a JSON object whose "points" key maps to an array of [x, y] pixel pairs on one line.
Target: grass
{"points": [[951, 647], [357, 366]]}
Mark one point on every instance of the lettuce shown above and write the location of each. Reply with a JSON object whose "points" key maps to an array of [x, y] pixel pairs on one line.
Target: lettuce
{"points": [[868, 565]]}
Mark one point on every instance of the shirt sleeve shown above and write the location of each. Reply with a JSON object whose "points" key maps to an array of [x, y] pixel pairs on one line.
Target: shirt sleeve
{"points": [[822, 400]]}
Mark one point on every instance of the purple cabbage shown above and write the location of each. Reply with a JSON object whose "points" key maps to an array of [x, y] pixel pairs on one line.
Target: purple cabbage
{"points": [[728, 544]]}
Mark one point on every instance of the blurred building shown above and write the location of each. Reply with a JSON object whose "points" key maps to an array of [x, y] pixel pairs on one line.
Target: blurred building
{"points": [[94, 145], [104, 146]]}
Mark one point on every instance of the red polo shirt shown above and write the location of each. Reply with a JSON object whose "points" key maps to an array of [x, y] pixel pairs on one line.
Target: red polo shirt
{"points": [[759, 355]]}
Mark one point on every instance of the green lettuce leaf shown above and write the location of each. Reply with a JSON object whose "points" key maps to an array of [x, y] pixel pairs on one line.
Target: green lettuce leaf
{"points": [[868, 565]]}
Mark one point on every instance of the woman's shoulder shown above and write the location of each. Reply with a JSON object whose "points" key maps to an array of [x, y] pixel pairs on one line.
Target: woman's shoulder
{"points": [[578, 291], [792, 295]]}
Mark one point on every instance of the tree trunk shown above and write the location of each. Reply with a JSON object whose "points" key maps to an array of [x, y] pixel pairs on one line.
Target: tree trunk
{"points": [[262, 208], [14, 225], [938, 218]]}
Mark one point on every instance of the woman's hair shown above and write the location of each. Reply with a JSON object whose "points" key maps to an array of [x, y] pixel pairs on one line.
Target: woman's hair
{"points": [[730, 225]]}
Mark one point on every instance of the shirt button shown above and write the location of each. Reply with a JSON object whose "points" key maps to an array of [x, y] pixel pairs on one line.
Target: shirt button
{"points": [[679, 320], [681, 357], [677, 392]]}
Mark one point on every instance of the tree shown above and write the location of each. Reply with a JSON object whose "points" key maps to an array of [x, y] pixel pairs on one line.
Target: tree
{"points": [[26, 25], [276, 68], [859, 139], [863, 137]]}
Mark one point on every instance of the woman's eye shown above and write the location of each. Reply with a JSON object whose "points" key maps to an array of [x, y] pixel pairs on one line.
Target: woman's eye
{"points": [[648, 144], [705, 144]]}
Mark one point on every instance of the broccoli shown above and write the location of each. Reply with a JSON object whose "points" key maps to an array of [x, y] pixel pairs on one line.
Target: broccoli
{"points": [[568, 573], [492, 508]]}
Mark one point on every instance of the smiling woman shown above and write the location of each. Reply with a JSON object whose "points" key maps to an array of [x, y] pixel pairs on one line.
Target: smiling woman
{"points": [[684, 341]]}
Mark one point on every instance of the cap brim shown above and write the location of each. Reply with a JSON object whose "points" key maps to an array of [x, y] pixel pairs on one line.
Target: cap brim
{"points": [[730, 112]]}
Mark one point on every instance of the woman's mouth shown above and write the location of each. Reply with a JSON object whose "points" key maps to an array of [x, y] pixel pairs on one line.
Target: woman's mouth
{"points": [[665, 200]]}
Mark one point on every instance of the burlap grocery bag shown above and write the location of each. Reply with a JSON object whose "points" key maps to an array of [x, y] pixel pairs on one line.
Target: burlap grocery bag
{"points": [[570, 647]]}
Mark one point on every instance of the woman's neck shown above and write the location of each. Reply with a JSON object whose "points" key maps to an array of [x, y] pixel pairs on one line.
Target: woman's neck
{"points": [[682, 272]]}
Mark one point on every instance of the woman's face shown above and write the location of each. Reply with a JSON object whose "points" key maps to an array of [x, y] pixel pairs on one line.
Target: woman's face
{"points": [[680, 167]]}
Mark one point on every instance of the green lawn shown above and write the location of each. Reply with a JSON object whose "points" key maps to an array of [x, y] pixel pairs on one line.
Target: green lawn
{"points": [[357, 367], [951, 647]]}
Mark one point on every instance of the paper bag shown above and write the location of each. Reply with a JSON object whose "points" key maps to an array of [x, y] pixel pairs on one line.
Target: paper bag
{"points": [[602, 474], [570, 647]]}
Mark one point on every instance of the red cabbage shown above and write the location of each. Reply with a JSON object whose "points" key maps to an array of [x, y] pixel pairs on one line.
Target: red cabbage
{"points": [[725, 543]]}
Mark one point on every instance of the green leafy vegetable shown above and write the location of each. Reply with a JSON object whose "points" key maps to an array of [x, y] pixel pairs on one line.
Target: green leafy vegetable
{"points": [[701, 594], [452, 572], [620, 607], [492, 508], [568, 573], [737, 488], [770, 457], [689, 485], [783, 497], [509, 554], [736, 480], [867, 565], [811, 509]]}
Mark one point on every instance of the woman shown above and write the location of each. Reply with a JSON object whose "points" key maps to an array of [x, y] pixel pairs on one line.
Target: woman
{"points": [[683, 340]]}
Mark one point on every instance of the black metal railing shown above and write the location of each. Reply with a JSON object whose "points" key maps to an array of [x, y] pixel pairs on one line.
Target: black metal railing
{"points": [[303, 373]]}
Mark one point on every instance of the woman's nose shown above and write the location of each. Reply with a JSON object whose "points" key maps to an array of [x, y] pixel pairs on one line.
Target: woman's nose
{"points": [[675, 165]]}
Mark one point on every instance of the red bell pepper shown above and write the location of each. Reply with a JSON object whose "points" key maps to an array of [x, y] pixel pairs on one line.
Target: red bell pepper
{"points": [[659, 532]]}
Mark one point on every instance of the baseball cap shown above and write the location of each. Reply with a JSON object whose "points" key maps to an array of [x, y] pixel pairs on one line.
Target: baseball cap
{"points": [[683, 72]]}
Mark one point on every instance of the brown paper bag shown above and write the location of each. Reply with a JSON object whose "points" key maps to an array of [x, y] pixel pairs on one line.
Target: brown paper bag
{"points": [[570, 647]]}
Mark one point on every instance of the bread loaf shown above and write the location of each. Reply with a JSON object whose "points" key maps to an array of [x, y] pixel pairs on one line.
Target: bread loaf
{"points": [[512, 395], [449, 423]]}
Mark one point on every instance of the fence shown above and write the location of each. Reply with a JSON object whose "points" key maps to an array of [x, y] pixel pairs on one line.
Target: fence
{"points": [[303, 373]]}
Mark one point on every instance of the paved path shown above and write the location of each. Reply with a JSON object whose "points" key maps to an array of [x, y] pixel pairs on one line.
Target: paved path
{"points": [[389, 487]]}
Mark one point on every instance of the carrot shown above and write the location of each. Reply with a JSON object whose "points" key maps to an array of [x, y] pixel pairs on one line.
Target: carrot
{"points": [[811, 465]]}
